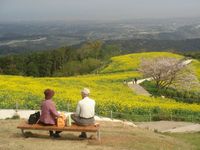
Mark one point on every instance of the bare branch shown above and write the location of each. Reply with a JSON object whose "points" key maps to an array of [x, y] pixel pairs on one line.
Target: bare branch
{"points": [[167, 71]]}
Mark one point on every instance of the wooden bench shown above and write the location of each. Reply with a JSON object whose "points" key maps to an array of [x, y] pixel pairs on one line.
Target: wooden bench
{"points": [[74, 128]]}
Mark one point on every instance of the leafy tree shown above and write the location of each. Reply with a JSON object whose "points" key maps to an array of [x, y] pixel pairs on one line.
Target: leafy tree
{"points": [[32, 69], [96, 47], [45, 64], [89, 49], [8, 65], [109, 50], [58, 59], [59, 62]]}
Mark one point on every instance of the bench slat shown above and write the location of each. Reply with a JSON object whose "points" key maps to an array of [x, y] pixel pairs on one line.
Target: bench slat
{"points": [[74, 127]]}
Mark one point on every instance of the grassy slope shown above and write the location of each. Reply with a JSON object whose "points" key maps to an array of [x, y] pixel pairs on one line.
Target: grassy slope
{"points": [[107, 89], [192, 138], [196, 65], [131, 61], [114, 137]]}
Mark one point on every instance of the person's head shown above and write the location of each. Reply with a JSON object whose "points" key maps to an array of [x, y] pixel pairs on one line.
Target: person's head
{"points": [[48, 93], [85, 92]]}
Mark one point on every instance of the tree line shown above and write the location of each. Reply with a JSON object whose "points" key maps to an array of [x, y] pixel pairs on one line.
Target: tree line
{"points": [[65, 61], [146, 45], [81, 59]]}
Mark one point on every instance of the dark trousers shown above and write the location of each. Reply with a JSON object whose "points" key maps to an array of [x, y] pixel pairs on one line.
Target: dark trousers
{"points": [[50, 131], [82, 122]]}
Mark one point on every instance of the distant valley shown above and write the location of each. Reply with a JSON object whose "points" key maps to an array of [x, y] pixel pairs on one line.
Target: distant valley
{"points": [[36, 36]]}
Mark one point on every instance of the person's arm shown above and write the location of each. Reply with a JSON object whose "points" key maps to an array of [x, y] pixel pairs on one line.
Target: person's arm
{"points": [[41, 105], [78, 109], [94, 108], [53, 110]]}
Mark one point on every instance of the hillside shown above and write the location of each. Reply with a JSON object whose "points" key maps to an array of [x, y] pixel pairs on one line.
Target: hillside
{"points": [[114, 136], [131, 62], [85, 58], [107, 89], [20, 37], [196, 65], [150, 44]]}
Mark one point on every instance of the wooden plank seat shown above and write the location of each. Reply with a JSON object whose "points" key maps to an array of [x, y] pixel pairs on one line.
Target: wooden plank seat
{"points": [[74, 128]]}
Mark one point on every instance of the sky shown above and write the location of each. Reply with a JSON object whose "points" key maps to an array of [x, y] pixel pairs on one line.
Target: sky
{"points": [[12, 10]]}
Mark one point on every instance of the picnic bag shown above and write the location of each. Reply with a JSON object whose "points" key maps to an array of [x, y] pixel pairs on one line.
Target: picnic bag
{"points": [[33, 118], [61, 120]]}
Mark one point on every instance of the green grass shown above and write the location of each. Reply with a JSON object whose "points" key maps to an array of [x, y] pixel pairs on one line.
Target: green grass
{"points": [[196, 66], [192, 96], [190, 138]]}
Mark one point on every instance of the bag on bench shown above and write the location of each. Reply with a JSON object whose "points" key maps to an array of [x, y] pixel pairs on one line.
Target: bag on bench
{"points": [[33, 118], [61, 120]]}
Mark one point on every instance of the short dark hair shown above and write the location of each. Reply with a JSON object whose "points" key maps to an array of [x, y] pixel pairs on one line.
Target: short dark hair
{"points": [[49, 93]]}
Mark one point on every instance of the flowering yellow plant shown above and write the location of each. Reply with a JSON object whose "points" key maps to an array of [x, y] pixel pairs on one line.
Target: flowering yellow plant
{"points": [[108, 90]]}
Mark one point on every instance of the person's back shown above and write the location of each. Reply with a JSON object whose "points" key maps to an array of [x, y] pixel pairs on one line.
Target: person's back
{"points": [[48, 112], [85, 111], [87, 108]]}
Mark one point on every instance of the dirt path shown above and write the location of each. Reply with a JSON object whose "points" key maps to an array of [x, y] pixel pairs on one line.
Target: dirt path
{"points": [[139, 89]]}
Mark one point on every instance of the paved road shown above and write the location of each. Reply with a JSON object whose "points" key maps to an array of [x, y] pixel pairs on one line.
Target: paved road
{"points": [[161, 126], [9, 113]]}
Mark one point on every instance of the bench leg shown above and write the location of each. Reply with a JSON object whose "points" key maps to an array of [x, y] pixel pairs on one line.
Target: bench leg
{"points": [[98, 135], [23, 133]]}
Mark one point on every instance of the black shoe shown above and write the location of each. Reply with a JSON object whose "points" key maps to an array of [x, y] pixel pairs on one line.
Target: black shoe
{"points": [[51, 134], [82, 136], [56, 135]]}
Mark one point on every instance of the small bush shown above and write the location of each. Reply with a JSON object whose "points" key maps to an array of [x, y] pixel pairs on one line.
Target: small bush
{"points": [[15, 116], [181, 96]]}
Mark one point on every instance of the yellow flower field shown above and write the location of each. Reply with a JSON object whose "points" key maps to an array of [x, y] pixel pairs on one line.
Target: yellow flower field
{"points": [[131, 62], [108, 90], [196, 65]]}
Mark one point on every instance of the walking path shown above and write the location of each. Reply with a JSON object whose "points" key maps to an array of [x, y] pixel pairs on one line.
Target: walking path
{"points": [[170, 126], [9, 113], [139, 89], [160, 126]]}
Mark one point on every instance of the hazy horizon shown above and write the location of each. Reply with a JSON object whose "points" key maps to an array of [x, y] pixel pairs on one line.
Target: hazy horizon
{"points": [[28, 10]]}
